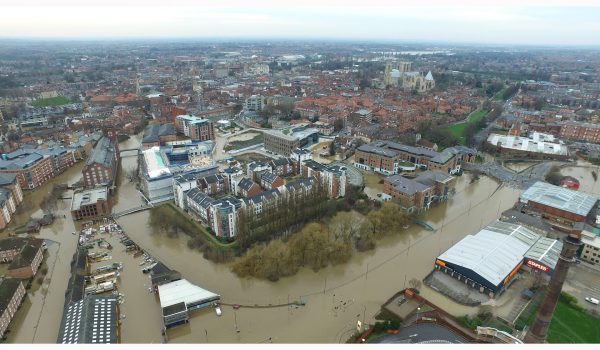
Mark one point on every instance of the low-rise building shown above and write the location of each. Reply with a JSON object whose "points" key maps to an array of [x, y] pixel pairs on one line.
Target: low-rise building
{"points": [[591, 246], [12, 291], [90, 203], [561, 206], [284, 144], [576, 131], [158, 135], [92, 320], [419, 193], [26, 264], [542, 146], [390, 158]]}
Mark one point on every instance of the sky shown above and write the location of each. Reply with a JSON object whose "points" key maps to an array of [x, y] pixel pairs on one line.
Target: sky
{"points": [[521, 22]]}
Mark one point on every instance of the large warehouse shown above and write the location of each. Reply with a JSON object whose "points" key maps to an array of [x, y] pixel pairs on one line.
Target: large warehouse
{"points": [[559, 204], [490, 259]]}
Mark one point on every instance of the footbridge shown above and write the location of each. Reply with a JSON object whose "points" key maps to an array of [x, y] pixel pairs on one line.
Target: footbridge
{"points": [[131, 211]]}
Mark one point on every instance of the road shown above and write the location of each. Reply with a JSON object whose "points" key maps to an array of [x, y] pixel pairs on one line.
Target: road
{"points": [[513, 179], [422, 333], [483, 134]]}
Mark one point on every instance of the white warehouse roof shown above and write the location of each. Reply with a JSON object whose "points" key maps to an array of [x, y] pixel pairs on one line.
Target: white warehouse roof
{"points": [[182, 291], [497, 249]]}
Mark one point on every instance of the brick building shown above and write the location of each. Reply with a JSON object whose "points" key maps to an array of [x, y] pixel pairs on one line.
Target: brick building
{"points": [[12, 291], [26, 264], [90, 203], [576, 131], [419, 193], [101, 167]]}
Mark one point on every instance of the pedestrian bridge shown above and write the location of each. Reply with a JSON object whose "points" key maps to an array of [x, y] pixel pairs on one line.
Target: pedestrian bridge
{"points": [[131, 211]]}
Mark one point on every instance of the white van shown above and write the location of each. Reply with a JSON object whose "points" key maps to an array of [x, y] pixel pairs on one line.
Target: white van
{"points": [[592, 300]]}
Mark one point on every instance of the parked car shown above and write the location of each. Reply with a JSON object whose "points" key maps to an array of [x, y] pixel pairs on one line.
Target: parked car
{"points": [[592, 300]]}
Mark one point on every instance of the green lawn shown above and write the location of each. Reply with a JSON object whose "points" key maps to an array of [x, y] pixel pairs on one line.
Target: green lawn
{"points": [[499, 96], [52, 101], [568, 324], [573, 326], [458, 130]]}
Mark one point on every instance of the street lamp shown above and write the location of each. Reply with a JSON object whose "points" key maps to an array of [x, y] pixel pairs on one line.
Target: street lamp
{"points": [[418, 310]]}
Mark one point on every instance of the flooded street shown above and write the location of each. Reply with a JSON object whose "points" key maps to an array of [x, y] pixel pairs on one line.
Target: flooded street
{"points": [[357, 288]]}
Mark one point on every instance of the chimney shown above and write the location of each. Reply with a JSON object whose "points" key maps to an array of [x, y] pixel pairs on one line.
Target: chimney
{"points": [[539, 329]]}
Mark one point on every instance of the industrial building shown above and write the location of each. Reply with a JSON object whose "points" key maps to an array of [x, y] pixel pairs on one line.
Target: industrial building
{"points": [[179, 297], [539, 145], [561, 206], [490, 260], [91, 320]]}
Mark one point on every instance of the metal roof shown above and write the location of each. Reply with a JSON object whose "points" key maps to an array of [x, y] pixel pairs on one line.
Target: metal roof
{"points": [[93, 319], [182, 291], [493, 252], [546, 251], [560, 198]]}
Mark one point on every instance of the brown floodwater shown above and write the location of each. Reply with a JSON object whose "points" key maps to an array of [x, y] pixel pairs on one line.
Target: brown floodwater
{"points": [[336, 297]]}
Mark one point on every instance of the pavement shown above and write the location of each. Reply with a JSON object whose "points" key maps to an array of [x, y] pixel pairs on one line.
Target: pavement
{"points": [[582, 282], [422, 334]]}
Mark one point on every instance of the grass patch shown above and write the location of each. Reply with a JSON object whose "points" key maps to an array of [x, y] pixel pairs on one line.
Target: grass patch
{"points": [[458, 130], [243, 144], [52, 101], [499, 96], [570, 325]]}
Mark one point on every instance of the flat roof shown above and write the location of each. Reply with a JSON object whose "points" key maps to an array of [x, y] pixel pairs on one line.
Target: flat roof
{"points": [[183, 291], [560, 198], [88, 197], [155, 164], [526, 144], [494, 251]]}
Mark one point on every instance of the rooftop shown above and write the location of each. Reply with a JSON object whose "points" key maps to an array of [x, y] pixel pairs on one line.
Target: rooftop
{"points": [[526, 144], [183, 291], [88, 197], [560, 198], [94, 319], [498, 248]]}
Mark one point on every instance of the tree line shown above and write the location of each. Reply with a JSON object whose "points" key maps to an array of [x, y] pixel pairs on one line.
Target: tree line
{"points": [[280, 215], [320, 244]]}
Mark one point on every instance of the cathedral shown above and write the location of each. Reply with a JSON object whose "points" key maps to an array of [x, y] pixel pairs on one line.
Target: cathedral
{"points": [[399, 74]]}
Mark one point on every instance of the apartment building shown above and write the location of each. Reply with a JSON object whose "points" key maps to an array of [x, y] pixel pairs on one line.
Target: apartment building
{"points": [[197, 129], [12, 291]]}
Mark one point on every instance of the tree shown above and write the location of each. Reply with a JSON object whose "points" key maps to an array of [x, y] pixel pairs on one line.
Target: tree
{"points": [[332, 148], [415, 283]]}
